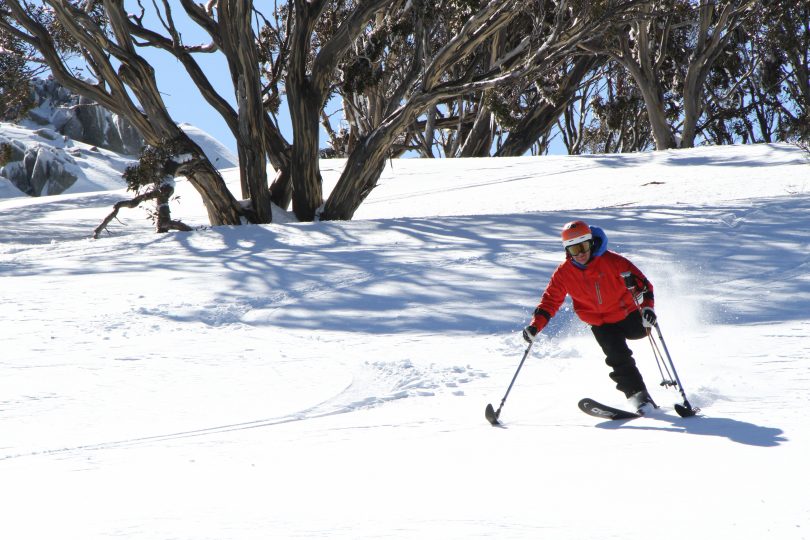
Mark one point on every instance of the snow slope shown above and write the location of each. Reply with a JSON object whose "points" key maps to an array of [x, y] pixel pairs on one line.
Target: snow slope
{"points": [[328, 380]]}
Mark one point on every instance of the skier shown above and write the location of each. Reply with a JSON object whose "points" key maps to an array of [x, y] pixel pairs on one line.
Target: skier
{"points": [[591, 275]]}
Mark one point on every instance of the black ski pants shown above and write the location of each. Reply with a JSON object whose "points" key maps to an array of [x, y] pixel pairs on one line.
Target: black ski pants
{"points": [[612, 337]]}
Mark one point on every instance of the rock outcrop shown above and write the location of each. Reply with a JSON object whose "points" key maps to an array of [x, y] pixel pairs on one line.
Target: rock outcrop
{"points": [[59, 118], [81, 119]]}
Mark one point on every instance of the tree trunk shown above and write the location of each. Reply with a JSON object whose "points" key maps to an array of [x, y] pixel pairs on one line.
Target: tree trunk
{"points": [[367, 162], [429, 132], [542, 117], [281, 188], [478, 142], [238, 41], [359, 178], [654, 102], [222, 208], [305, 99], [712, 37], [307, 194], [692, 104], [278, 152]]}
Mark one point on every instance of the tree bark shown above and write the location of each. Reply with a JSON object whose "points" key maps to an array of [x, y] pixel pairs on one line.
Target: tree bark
{"points": [[305, 101], [305, 106], [367, 162]]}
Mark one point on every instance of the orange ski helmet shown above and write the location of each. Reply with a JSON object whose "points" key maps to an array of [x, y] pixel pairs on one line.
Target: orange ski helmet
{"points": [[575, 232]]}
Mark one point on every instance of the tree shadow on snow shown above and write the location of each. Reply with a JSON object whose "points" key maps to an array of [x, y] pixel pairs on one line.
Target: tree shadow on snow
{"points": [[734, 430], [469, 274]]}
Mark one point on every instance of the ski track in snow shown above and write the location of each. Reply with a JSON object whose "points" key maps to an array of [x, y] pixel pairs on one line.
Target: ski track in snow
{"points": [[372, 384]]}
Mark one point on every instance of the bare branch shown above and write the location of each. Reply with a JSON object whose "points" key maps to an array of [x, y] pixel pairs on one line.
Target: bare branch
{"points": [[134, 203]]}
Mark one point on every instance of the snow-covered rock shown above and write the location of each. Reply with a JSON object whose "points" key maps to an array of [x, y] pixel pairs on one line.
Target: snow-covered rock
{"points": [[38, 170], [82, 119], [217, 153], [67, 144], [37, 155]]}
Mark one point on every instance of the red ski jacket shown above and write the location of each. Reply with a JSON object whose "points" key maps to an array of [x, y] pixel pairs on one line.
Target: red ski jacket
{"points": [[598, 290]]}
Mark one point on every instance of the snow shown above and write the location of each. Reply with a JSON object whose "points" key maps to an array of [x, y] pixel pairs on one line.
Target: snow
{"points": [[328, 380], [217, 152]]}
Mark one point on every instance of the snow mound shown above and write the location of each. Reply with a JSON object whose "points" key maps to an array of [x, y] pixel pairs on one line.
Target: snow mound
{"points": [[217, 153]]}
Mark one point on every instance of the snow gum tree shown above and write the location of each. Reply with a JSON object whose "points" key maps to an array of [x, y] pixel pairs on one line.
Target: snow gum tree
{"points": [[480, 47], [785, 72], [152, 179], [231, 28], [395, 63], [535, 110], [669, 50], [97, 35], [609, 117]]}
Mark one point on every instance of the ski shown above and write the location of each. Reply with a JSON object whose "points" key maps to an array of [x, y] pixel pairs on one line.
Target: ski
{"points": [[599, 410]]}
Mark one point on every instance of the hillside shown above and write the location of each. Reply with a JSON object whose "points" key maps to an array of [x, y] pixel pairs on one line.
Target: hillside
{"points": [[328, 380]]}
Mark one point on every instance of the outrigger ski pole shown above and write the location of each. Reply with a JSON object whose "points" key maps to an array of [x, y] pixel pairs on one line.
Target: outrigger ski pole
{"points": [[490, 413], [686, 409]]}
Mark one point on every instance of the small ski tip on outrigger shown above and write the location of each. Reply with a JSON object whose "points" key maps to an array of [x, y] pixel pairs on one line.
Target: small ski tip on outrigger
{"points": [[685, 410], [492, 415]]}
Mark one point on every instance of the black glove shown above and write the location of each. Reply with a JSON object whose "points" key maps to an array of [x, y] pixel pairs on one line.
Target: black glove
{"points": [[529, 333], [648, 318]]}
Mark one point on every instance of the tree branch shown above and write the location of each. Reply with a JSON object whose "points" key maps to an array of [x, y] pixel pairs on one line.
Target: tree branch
{"points": [[134, 203]]}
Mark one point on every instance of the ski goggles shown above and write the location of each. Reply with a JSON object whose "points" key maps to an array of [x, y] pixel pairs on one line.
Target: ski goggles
{"points": [[582, 247]]}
